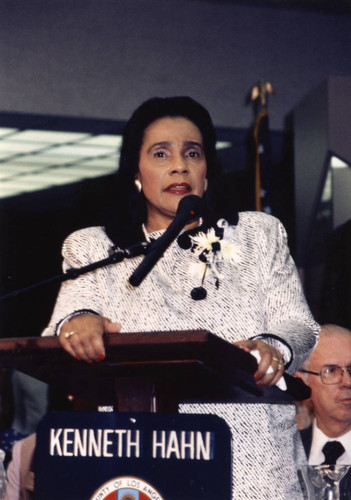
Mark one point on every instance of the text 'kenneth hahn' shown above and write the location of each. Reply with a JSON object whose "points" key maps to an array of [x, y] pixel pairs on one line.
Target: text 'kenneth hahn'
{"points": [[131, 443]]}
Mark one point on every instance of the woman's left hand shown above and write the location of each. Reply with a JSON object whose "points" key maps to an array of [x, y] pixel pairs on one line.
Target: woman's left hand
{"points": [[270, 357]]}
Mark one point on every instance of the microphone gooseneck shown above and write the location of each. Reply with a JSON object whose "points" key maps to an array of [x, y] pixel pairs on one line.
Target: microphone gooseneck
{"points": [[189, 208]]}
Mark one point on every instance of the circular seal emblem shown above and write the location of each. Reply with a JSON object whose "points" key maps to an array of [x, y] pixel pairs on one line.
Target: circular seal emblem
{"points": [[126, 488]]}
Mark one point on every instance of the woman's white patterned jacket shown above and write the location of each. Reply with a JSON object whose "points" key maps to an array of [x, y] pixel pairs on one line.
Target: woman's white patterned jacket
{"points": [[259, 293]]}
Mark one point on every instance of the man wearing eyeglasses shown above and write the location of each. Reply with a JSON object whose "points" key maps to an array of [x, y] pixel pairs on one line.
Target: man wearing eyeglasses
{"points": [[328, 373]]}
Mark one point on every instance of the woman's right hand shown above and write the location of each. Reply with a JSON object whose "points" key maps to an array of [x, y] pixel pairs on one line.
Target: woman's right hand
{"points": [[82, 336]]}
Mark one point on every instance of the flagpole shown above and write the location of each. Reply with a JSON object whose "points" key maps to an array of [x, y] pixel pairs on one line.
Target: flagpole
{"points": [[258, 203], [259, 97]]}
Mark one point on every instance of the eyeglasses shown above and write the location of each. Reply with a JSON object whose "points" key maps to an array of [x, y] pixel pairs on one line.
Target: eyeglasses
{"points": [[330, 374]]}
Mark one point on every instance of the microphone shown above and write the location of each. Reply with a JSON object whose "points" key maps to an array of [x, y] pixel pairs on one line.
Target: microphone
{"points": [[189, 208]]}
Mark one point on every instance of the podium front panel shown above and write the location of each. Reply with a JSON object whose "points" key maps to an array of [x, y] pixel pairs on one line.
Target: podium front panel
{"points": [[139, 456]]}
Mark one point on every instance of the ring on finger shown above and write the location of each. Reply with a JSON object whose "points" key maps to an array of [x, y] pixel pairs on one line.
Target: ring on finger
{"points": [[276, 359], [67, 335]]}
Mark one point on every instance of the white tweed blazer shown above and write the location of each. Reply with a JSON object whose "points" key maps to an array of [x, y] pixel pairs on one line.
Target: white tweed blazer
{"points": [[259, 294]]}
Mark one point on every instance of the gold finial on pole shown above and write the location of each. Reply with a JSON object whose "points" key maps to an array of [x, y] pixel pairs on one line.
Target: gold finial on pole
{"points": [[259, 95]]}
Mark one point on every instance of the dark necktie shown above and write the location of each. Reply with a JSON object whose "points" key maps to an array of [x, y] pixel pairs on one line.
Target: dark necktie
{"points": [[332, 451]]}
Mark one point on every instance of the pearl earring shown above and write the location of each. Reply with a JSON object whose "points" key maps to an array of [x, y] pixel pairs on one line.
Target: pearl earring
{"points": [[206, 185], [138, 185]]}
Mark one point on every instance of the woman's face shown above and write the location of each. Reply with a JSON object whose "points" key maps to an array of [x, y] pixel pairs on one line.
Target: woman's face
{"points": [[172, 165]]}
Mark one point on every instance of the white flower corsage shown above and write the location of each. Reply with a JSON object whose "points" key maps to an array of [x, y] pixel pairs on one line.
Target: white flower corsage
{"points": [[211, 250]]}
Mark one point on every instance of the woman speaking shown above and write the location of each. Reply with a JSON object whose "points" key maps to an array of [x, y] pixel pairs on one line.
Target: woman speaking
{"points": [[230, 275]]}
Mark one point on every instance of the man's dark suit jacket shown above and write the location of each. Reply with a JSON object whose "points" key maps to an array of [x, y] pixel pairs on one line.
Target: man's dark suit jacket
{"points": [[345, 484]]}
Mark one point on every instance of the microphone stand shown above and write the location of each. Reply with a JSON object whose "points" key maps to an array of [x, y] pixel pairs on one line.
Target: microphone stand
{"points": [[74, 272], [189, 207]]}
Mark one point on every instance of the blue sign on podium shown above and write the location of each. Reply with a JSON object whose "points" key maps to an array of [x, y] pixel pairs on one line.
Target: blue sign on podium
{"points": [[132, 456]]}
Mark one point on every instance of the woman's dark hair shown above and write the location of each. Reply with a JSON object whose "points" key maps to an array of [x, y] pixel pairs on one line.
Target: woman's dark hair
{"points": [[131, 204]]}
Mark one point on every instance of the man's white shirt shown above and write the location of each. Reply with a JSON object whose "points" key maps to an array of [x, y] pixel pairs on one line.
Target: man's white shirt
{"points": [[318, 441]]}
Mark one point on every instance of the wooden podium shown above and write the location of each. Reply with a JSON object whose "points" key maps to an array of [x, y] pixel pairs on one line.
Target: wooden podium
{"points": [[143, 451], [149, 372]]}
